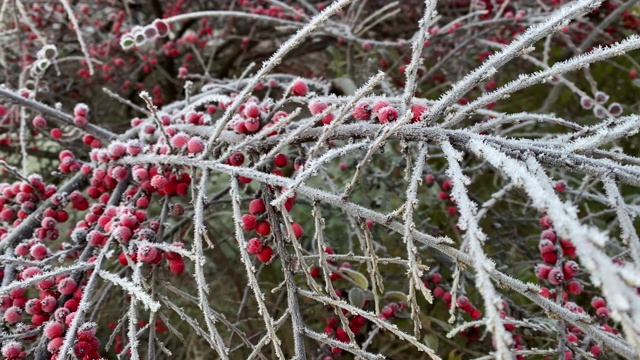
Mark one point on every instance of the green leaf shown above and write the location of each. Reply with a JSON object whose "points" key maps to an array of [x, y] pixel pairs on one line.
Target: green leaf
{"points": [[431, 341], [357, 277], [396, 296], [357, 297]]}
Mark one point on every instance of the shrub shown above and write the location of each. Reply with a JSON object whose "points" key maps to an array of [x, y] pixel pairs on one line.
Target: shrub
{"points": [[397, 179]]}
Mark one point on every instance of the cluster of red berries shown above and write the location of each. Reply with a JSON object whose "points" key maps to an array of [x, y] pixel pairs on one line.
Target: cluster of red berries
{"points": [[251, 222], [384, 112], [45, 308], [335, 330]]}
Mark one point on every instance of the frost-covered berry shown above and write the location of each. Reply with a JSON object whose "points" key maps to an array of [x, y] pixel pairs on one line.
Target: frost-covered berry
{"points": [[39, 122], [159, 181], [251, 110], [53, 330], [161, 27], [615, 109], [11, 349], [255, 246], [256, 206], [147, 253], [179, 140], [55, 344], [236, 159], [13, 315], [317, 107], [39, 251], [195, 145], [249, 222], [574, 287], [379, 104], [598, 302], [362, 111], [387, 114], [299, 88], [555, 276], [67, 286], [570, 269], [542, 271]]}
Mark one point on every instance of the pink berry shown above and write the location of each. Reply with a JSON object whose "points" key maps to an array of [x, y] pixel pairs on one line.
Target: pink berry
{"points": [[417, 111], [574, 287], [602, 313], [362, 111], [13, 315], [249, 222], [195, 145], [387, 114], [555, 276], [56, 133], [317, 107], [179, 140], [570, 269], [256, 206], [55, 344], [53, 330], [39, 122], [542, 271], [299, 88], [598, 302], [255, 246], [159, 181], [379, 104], [251, 110], [546, 246], [147, 253], [39, 251], [12, 350], [67, 286]]}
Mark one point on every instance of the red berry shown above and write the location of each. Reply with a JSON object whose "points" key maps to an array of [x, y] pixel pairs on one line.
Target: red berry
{"points": [[56, 133], [560, 186], [314, 272], [299, 88], [53, 330], [67, 286], [266, 254], [256, 206], [598, 302], [195, 145], [546, 246], [55, 344], [236, 159], [542, 271], [280, 160], [387, 114], [555, 276], [176, 266], [317, 107], [147, 253], [574, 287], [362, 111], [39, 122], [263, 228], [255, 246], [249, 222], [251, 110], [13, 315], [570, 269], [298, 231], [602, 313]]}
